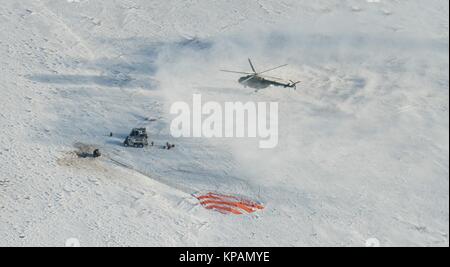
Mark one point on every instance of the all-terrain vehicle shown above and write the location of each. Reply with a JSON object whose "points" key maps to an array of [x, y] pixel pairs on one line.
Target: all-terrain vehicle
{"points": [[137, 138]]}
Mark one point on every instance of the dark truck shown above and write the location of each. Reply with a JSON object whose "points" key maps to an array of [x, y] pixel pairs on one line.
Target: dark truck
{"points": [[137, 138]]}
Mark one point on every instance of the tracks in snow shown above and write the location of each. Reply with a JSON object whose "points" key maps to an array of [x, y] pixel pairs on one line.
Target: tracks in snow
{"points": [[159, 179]]}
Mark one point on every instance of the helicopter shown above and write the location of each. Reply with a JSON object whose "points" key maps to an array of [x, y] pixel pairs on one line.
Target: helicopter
{"points": [[259, 81]]}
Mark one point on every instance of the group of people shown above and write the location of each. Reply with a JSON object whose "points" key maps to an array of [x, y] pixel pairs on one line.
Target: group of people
{"points": [[169, 146]]}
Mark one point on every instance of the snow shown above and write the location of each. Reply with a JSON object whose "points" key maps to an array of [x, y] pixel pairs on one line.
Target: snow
{"points": [[363, 143]]}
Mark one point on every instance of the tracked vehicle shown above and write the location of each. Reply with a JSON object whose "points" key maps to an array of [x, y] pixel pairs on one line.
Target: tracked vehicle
{"points": [[137, 138]]}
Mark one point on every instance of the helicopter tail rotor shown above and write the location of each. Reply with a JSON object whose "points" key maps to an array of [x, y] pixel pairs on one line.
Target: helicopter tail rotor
{"points": [[294, 84]]}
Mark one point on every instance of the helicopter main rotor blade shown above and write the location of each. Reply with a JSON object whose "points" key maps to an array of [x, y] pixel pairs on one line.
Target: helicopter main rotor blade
{"points": [[237, 72], [249, 78], [273, 69], [251, 65]]}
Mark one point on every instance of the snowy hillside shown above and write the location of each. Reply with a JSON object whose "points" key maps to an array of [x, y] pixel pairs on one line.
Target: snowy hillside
{"points": [[363, 142]]}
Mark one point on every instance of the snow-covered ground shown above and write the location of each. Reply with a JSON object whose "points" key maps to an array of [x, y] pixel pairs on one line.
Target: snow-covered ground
{"points": [[363, 150]]}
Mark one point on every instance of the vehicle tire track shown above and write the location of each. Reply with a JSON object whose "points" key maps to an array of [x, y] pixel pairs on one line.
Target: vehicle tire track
{"points": [[159, 179]]}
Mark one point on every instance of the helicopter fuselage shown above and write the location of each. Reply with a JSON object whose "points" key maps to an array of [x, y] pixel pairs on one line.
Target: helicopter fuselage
{"points": [[259, 83]]}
